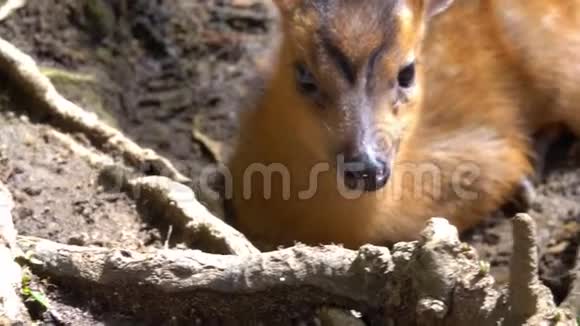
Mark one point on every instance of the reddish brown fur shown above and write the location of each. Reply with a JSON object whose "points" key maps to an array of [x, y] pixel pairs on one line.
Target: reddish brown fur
{"points": [[485, 91]]}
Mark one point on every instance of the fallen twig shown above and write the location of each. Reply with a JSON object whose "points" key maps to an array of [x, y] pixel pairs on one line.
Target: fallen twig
{"points": [[24, 70]]}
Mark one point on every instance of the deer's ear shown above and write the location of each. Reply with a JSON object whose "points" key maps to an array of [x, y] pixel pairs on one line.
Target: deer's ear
{"points": [[435, 7], [286, 6]]}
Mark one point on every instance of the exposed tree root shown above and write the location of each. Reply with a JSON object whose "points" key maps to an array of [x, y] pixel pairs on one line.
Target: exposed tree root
{"points": [[527, 296], [12, 309], [175, 202], [25, 72], [435, 281], [165, 201], [96, 160], [10, 6]]}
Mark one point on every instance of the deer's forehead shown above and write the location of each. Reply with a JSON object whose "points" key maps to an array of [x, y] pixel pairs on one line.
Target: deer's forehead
{"points": [[356, 27]]}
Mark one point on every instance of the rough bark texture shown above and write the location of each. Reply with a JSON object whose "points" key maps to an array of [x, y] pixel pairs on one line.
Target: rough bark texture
{"points": [[333, 270], [435, 281], [527, 295]]}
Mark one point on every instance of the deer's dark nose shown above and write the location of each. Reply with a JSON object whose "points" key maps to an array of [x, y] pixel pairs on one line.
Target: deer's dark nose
{"points": [[366, 171]]}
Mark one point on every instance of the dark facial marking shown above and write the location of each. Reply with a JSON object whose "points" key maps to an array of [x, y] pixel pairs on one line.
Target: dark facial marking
{"points": [[365, 55], [345, 65], [375, 57]]}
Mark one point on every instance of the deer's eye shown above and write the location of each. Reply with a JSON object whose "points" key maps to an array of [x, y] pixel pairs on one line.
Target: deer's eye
{"points": [[406, 76], [305, 81]]}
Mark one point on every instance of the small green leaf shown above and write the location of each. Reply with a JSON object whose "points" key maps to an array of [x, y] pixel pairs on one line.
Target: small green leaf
{"points": [[25, 279], [31, 295], [26, 292], [40, 298]]}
